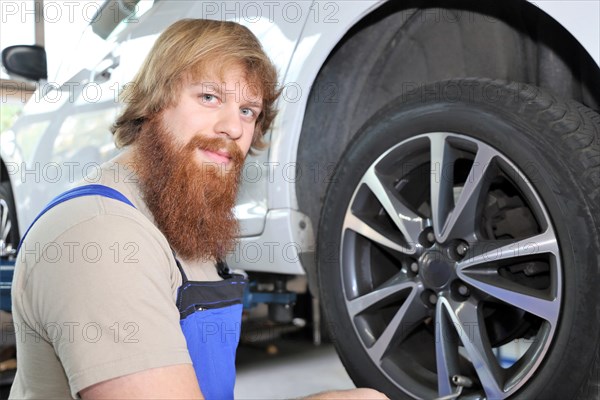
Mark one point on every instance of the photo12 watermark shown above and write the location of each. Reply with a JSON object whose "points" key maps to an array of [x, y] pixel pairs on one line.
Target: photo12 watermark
{"points": [[115, 92], [65, 12], [69, 332], [69, 172], [290, 12], [79, 252]]}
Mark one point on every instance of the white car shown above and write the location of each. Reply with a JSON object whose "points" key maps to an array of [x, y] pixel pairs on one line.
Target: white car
{"points": [[434, 171]]}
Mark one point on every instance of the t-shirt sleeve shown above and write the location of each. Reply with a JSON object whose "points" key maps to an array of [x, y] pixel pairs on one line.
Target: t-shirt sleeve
{"points": [[102, 293]]}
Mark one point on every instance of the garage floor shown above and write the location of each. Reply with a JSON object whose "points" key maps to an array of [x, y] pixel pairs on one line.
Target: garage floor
{"points": [[298, 369]]}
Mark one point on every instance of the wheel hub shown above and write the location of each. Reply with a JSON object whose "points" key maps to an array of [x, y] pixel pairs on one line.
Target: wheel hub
{"points": [[436, 269]]}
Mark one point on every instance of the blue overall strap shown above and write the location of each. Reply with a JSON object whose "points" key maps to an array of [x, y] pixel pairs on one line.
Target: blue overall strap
{"points": [[210, 317], [87, 190]]}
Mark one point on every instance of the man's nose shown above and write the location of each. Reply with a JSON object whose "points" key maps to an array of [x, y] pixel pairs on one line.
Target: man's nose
{"points": [[229, 122]]}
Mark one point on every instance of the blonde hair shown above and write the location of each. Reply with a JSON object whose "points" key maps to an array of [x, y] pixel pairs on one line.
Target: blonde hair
{"points": [[194, 47]]}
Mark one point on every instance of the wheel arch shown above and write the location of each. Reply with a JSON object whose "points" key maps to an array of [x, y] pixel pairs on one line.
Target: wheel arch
{"points": [[512, 40]]}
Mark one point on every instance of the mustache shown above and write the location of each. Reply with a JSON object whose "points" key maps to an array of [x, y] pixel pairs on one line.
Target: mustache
{"points": [[216, 145]]}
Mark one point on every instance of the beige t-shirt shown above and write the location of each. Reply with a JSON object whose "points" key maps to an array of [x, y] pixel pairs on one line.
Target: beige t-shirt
{"points": [[94, 294]]}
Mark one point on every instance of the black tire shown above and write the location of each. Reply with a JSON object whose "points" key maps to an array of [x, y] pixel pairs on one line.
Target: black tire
{"points": [[9, 233], [414, 273]]}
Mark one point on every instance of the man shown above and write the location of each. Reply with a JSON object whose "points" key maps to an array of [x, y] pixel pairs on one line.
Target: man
{"points": [[119, 291]]}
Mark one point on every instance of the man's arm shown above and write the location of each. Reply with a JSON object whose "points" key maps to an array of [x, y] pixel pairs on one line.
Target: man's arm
{"points": [[172, 382], [119, 309]]}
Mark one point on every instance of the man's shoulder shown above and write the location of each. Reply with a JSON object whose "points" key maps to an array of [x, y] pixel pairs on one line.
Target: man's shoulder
{"points": [[84, 223], [95, 209], [92, 221]]}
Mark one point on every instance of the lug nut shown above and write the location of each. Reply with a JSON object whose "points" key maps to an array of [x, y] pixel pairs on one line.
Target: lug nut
{"points": [[433, 298], [463, 290], [414, 267], [461, 249], [430, 237]]}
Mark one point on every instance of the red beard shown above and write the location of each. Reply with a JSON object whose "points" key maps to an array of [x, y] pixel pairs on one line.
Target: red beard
{"points": [[191, 204]]}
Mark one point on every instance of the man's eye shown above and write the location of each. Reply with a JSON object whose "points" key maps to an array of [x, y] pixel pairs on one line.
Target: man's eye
{"points": [[208, 98], [248, 112]]}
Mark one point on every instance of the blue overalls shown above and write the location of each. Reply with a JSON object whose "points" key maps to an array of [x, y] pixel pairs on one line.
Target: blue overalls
{"points": [[210, 312]]}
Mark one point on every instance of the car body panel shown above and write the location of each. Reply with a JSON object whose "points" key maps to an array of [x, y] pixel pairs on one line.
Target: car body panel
{"points": [[580, 18]]}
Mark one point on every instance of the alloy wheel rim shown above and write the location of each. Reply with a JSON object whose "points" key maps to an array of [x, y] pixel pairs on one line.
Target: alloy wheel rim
{"points": [[438, 282]]}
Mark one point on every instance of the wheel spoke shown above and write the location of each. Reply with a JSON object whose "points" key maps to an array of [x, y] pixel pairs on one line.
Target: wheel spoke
{"points": [[407, 221], [5, 221], [489, 281], [359, 304], [410, 315], [470, 329], [6, 231], [461, 221], [446, 350], [526, 299], [441, 181], [359, 226], [543, 243]]}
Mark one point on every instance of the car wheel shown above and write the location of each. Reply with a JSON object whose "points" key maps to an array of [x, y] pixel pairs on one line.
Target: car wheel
{"points": [[9, 235], [458, 246]]}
